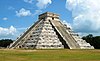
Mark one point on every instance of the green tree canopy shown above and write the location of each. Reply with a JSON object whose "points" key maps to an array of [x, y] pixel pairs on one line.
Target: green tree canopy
{"points": [[5, 42], [93, 40]]}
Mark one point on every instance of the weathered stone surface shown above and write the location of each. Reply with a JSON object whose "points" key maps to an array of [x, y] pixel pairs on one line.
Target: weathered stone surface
{"points": [[50, 33]]}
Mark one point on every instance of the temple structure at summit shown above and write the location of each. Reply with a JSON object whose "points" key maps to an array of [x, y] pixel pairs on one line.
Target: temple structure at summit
{"points": [[49, 33]]}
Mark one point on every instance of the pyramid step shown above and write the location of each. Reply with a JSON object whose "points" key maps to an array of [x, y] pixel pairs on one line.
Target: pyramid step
{"points": [[49, 33], [62, 31]]}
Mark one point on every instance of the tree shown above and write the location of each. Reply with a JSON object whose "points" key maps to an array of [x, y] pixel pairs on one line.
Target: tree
{"points": [[94, 41], [5, 42], [88, 38]]}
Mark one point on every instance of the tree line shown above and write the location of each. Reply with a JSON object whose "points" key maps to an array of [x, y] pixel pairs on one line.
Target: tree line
{"points": [[5, 42], [93, 40]]}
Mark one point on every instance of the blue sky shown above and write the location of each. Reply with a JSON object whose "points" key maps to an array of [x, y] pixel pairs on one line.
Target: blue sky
{"points": [[17, 15]]}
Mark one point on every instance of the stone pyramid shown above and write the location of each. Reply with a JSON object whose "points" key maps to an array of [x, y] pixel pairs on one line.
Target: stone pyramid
{"points": [[50, 33]]}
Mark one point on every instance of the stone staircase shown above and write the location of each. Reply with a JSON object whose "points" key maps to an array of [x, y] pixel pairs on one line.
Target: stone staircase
{"points": [[49, 32], [62, 31]]}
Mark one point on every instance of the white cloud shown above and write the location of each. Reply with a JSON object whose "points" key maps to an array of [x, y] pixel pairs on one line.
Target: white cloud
{"points": [[43, 3], [37, 12], [23, 12], [86, 15], [28, 1], [5, 18], [11, 32], [7, 32]]}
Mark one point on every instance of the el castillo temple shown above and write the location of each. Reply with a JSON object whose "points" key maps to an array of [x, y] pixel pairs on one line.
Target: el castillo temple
{"points": [[49, 33]]}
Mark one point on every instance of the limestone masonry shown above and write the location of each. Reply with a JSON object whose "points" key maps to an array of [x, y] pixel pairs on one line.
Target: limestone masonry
{"points": [[50, 33]]}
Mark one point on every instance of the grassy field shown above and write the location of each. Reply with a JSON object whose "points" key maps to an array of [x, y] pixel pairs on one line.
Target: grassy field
{"points": [[49, 55]]}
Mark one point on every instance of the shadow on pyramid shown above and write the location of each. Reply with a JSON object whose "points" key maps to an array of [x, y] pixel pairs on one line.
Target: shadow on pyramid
{"points": [[50, 33]]}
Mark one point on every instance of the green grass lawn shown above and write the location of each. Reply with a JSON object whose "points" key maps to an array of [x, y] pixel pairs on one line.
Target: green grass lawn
{"points": [[49, 55]]}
